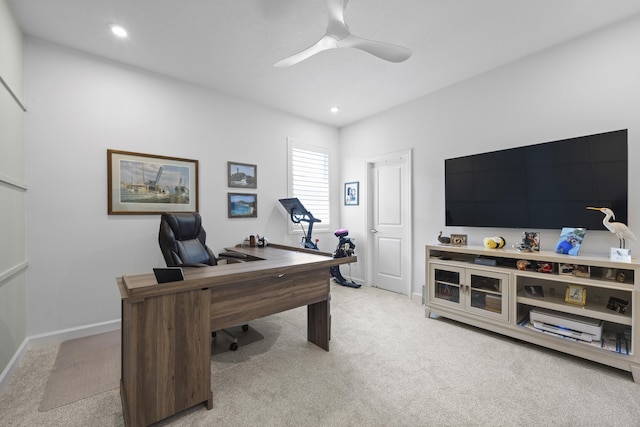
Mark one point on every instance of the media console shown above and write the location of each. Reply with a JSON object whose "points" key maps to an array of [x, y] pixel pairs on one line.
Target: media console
{"points": [[496, 294]]}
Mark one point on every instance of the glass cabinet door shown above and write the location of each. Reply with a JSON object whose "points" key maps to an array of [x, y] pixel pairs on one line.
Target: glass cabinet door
{"points": [[487, 293], [447, 285]]}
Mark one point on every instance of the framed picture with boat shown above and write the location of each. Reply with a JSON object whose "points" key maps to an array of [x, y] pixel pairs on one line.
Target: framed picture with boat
{"points": [[242, 175], [242, 205], [150, 184]]}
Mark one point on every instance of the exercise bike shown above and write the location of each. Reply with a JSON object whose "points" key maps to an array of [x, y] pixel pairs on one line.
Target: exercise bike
{"points": [[345, 248], [299, 214]]}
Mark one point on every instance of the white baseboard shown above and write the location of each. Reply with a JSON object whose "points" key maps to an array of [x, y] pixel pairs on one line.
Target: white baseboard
{"points": [[8, 372], [416, 297], [52, 338]]}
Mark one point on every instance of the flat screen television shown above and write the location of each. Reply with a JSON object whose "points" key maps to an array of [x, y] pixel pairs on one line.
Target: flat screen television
{"points": [[541, 186]]}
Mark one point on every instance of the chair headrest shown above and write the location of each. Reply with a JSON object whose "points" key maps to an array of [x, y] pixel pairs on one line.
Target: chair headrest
{"points": [[185, 226]]}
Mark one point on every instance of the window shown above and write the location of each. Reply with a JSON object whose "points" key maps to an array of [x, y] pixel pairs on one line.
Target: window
{"points": [[309, 181]]}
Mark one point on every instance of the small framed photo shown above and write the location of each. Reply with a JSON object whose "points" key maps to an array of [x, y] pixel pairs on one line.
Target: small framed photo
{"points": [[531, 240], [534, 291], [351, 193], [620, 254], [570, 240], [242, 205], [242, 175], [459, 239], [618, 305], [576, 295]]}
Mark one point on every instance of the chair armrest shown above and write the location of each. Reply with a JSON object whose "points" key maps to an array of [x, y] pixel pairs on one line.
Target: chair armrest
{"points": [[194, 264]]}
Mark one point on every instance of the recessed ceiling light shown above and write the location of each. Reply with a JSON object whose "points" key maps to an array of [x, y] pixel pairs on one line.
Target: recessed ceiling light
{"points": [[118, 30], [335, 109]]}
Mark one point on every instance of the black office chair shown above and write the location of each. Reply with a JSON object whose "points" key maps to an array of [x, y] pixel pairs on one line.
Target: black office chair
{"points": [[183, 244]]}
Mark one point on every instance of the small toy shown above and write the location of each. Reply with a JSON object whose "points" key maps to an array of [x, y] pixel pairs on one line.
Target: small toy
{"points": [[522, 264], [494, 242], [545, 267], [443, 239]]}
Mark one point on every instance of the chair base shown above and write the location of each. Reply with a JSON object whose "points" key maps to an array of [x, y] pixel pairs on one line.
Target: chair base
{"points": [[234, 339]]}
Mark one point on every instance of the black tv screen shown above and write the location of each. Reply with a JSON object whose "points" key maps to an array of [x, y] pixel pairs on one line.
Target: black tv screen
{"points": [[542, 186]]}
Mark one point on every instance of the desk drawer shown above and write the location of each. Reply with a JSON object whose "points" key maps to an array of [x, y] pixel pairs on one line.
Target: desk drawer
{"points": [[242, 302]]}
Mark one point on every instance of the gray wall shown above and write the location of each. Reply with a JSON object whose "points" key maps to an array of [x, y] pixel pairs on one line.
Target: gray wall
{"points": [[13, 310], [80, 106], [585, 86]]}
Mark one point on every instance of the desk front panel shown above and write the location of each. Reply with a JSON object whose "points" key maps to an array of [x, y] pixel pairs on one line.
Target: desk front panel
{"points": [[165, 356], [241, 302]]}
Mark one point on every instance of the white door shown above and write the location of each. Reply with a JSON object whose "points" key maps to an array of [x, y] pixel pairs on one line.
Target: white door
{"points": [[389, 222]]}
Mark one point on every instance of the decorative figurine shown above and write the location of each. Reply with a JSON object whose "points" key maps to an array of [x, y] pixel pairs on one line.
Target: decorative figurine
{"points": [[545, 267], [494, 242], [617, 228], [522, 247], [522, 264], [443, 239]]}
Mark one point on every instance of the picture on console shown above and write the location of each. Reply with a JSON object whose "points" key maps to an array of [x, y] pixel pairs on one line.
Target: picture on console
{"points": [[531, 240], [570, 240]]}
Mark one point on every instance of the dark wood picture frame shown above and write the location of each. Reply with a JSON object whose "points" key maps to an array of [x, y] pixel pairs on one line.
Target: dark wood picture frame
{"points": [[242, 205], [143, 184], [242, 175]]}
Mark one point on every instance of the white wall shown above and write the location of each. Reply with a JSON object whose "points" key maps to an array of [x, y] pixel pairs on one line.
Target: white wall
{"points": [[588, 85], [79, 106], [13, 262]]}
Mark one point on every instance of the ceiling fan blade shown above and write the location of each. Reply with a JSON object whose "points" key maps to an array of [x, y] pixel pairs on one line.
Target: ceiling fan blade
{"points": [[387, 51], [336, 27], [324, 43]]}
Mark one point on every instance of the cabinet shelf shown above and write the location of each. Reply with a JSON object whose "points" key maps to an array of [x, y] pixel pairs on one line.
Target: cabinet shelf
{"points": [[610, 284], [557, 303]]}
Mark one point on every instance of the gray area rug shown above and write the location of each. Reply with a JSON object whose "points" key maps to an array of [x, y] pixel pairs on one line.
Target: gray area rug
{"points": [[91, 365], [83, 367]]}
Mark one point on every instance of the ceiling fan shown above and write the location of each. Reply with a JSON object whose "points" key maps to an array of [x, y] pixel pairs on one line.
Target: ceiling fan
{"points": [[339, 36]]}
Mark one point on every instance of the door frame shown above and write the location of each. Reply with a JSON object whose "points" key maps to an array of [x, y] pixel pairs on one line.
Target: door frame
{"points": [[407, 192]]}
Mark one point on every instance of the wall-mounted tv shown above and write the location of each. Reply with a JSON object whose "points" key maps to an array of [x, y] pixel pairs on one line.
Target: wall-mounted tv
{"points": [[541, 186]]}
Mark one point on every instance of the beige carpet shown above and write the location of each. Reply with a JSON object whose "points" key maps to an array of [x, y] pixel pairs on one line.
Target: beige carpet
{"points": [[83, 367], [388, 366]]}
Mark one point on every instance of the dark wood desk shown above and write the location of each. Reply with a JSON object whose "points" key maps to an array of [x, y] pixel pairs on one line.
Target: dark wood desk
{"points": [[166, 329]]}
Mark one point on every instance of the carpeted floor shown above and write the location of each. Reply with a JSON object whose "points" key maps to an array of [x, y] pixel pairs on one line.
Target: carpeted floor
{"points": [[388, 365]]}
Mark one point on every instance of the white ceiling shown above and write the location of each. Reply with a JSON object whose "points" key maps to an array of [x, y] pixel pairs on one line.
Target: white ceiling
{"points": [[231, 45]]}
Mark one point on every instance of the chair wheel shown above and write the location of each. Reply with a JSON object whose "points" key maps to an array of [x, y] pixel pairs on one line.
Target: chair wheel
{"points": [[233, 346], [245, 328]]}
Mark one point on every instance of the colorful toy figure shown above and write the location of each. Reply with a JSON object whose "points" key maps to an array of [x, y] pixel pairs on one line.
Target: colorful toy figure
{"points": [[494, 242], [545, 267]]}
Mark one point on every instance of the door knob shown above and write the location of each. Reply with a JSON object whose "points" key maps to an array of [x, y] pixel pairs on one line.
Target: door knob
{"points": [[373, 230]]}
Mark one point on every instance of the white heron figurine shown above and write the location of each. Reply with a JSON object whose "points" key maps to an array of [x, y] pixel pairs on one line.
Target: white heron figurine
{"points": [[619, 229]]}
